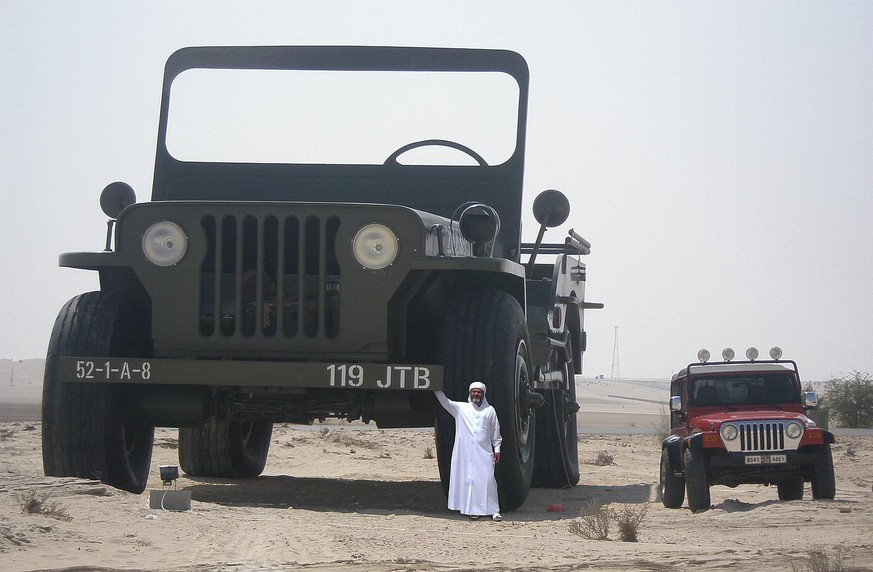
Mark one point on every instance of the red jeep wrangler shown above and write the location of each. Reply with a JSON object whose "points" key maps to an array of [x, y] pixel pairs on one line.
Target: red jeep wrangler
{"points": [[735, 422]]}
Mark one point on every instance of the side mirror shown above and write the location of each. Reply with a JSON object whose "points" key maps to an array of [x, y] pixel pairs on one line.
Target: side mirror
{"points": [[551, 208], [676, 403], [810, 399], [116, 197]]}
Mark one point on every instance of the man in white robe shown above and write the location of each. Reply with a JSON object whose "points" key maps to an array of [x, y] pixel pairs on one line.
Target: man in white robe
{"points": [[472, 487]]}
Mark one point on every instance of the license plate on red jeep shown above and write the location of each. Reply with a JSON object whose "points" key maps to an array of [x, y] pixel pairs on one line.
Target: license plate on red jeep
{"points": [[765, 459]]}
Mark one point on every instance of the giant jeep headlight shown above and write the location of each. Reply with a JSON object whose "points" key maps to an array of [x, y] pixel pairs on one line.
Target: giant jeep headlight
{"points": [[728, 432], [164, 243], [375, 246], [793, 430]]}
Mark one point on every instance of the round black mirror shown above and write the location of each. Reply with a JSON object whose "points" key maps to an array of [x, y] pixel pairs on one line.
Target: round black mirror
{"points": [[116, 197], [551, 208]]}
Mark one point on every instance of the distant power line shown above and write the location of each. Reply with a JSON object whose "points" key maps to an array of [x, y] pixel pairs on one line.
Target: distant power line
{"points": [[615, 371]]}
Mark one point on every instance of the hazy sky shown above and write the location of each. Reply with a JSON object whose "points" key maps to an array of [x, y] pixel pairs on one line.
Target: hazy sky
{"points": [[718, 155]]}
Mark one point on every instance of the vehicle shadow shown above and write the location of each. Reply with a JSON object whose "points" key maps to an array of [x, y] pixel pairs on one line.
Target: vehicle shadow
{"points": [[320, 494], [423, 497]]}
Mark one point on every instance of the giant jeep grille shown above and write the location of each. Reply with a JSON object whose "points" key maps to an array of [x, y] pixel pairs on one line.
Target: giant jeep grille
{"points": [[265, 275]]}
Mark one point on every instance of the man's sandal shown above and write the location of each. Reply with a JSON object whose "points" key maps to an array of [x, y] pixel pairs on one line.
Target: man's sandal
{"points": [[497, 517]]}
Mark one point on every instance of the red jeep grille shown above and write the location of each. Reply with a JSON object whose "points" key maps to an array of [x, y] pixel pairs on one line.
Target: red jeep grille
{"points": [[768, 436], [269, 276]]}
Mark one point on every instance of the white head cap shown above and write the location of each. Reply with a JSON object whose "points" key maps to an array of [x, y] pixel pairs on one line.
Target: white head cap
{"points": [[476, 385]]}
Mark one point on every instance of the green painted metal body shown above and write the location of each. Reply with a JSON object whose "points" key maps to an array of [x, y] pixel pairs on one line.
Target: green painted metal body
{"points": [[269, 300]]}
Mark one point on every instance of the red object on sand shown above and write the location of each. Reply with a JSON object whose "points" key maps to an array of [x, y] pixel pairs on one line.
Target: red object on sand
{"points": [[555, 508]]}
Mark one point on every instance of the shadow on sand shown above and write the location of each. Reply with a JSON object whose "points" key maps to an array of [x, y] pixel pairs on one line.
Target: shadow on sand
{"points": [[423, 497]]}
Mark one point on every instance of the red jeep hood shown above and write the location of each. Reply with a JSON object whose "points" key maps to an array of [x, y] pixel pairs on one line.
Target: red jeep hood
{"points": [[718, 417]]}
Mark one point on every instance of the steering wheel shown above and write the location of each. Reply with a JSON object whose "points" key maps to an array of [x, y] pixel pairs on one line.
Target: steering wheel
{"points": [[392, 159]]}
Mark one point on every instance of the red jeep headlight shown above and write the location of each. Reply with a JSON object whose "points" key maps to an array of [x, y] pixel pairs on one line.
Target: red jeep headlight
{"points": [[793, 430]]}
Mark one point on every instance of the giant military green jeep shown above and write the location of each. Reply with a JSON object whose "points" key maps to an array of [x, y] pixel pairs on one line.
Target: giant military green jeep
{"points": [[333, 232]]}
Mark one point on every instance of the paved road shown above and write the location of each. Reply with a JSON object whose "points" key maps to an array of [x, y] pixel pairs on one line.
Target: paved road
{"points": [[20, 412]]}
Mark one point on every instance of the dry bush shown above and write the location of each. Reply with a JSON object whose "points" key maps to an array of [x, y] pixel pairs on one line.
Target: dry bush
{"points": [[593, 522], [347, 439], [629, 520], [6, 434], [34, 503], [819, 560], [603, 458], [664, 430], [428, 453]]}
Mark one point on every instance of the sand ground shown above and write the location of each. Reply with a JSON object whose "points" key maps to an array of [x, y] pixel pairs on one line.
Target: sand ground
{"points": [[339, 497]]}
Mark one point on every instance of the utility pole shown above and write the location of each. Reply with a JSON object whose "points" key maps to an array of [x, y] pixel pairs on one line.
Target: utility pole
{"points": [[615, 372]]}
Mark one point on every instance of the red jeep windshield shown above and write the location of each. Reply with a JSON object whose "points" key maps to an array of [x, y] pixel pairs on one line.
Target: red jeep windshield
{"points": [[748, 389]]}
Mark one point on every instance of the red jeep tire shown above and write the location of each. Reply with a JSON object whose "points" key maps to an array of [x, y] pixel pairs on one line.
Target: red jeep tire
{"points": [[672, 490], [696, 485]]}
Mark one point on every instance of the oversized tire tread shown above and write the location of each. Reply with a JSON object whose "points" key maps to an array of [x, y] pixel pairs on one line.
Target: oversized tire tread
{"points": [[557, 444], [85, 433], [234, 448], [485, 330]]}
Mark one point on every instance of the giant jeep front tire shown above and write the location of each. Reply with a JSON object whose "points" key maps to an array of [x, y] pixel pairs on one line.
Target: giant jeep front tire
{"points": [[486, 339], [86, 431]]}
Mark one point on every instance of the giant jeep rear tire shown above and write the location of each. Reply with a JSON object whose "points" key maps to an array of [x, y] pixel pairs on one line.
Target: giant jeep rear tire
{"points": [[557, 446], [234, 449], [486, 340], [85, 429]]}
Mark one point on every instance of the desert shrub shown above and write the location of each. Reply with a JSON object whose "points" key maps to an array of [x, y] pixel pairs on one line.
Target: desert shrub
{"points": [[33, 502], [664, 424], [428, 453], [850, 399], [593, 521], [603, 458], [349, 439], [6, 434], [629, 520], [818, 560]]}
